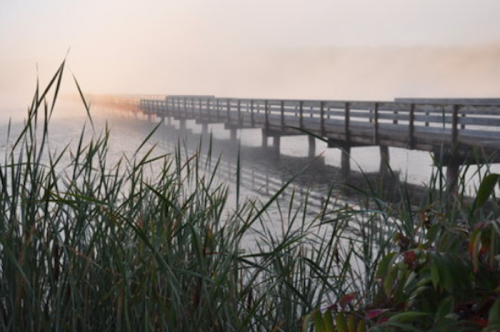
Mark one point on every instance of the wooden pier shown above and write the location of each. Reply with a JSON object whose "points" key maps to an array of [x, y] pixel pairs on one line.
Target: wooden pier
{"points": [[455, 131]]}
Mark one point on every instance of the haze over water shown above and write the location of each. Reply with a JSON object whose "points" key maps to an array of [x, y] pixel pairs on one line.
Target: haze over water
{"points": [[324, 49]]}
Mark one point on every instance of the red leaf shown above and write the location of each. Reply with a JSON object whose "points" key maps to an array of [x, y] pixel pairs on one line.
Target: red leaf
{"points": [[479, 321], [371, 314], [347, 299]]}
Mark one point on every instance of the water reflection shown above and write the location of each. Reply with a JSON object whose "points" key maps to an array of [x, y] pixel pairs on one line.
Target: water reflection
{"points": [[263, 171]]}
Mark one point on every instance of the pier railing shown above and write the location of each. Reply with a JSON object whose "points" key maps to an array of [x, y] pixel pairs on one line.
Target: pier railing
{"points": [[423, 125]]}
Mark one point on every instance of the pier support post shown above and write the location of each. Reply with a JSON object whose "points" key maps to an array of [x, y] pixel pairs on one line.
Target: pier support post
{"points": [[232, 135], [346, 161], [204, 129], [452, 162], [384, 159], [345, 158], [312, 146], [276, 143], [182, 124], [264, 138], [452, 173], [169, 121]]}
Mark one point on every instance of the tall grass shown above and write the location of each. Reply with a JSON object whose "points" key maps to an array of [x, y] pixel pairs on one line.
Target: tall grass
{"points": [[90, 246]]}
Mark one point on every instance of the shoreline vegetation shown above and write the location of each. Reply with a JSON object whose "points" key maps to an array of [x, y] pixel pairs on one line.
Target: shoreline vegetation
{"points": [[90, 246]]}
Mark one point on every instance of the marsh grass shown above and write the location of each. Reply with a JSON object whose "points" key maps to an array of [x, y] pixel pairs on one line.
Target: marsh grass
{"points": [[92, 246], [149, 243]]}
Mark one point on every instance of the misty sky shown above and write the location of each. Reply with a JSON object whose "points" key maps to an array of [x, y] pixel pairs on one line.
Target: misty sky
{"points": [[358, 49]]}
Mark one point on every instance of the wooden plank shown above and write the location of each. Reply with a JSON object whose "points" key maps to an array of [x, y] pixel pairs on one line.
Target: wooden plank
{"points": [[487, 111], [479, 133], [450, 101], [331, 113], [354, 113], [357, 105], [489, 122], [434, 119]]}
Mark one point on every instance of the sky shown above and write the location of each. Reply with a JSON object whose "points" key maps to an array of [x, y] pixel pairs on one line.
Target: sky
{"points": [[316, 49]]}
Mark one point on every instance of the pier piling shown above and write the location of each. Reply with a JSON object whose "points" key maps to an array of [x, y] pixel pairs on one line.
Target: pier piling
{"points": [[182, 124], [233, 134], [264, 138], [384, 159], [312, 146], [204, 129], [276, 142], [346, 161]]}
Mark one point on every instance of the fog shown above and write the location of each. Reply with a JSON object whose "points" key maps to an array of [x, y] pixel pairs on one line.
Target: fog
{"points": [[265, 49]]}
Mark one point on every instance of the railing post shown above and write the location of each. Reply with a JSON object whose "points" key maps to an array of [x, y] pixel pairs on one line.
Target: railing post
{"points": [[322, 112], [209, 108], [282, 115], [301, 114], [411, 127], [228, 110], [346, 123], [454, 130], [251, 113], [240, 120], [376, 137], [266, 110], [218, 109]]}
